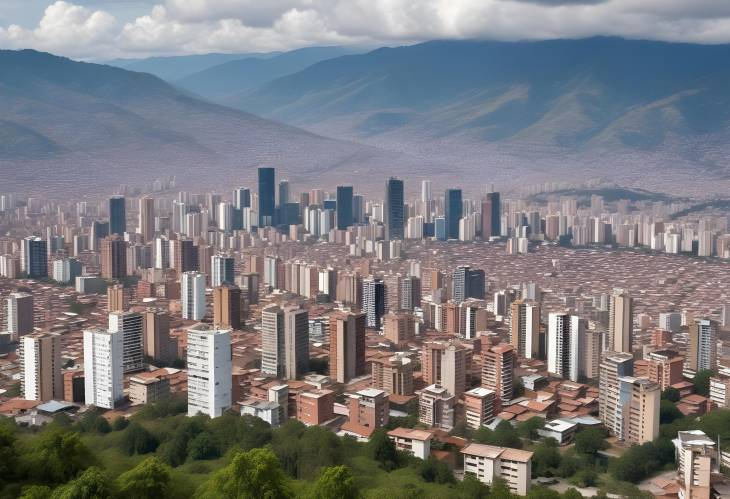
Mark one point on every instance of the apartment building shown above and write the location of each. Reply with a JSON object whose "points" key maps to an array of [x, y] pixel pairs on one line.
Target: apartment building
{"points": [[488, 462]]}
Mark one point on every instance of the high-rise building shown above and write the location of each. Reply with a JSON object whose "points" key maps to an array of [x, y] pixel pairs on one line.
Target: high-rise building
{"points": [[158, 345], [614, 366], [19, 315], [639, 408], [34, 258], [147, 218], [436, 407], [116, 298], [453, 212], [393, 374], [113, 257], [40, 367], [697, 459], [478, 407], [495, 214], [498, 366], [565, 334], [525, 328], [184, 255], [702, 348], [399, 327], [373, 301], [663, 367], [210, 370], [227, 306], [192, 294], [344, 207], [620, 322], [130, 325], [444, 363], [393, 210], [296, 342], [273, 360], [368, 408], [467, 283], [267, 196], [222, 270], [103, 372], [117, 215], [347, 346]]}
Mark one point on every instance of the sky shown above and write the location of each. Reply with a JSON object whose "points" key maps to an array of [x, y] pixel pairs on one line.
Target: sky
{"points": [[107, 29]]}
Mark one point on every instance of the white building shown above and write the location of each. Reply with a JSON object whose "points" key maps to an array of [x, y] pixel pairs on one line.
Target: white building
{"points": [[103, 375], [40, 360], [565, 333], [415, 442], [221, 270], [487, 462], [130, 324], [266, 410], [209, 370], [192, 294]]}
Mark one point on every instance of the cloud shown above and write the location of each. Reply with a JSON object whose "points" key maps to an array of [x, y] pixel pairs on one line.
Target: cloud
{"points": [[87, 30]]}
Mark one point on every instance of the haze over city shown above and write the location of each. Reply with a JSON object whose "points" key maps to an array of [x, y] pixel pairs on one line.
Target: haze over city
{"points": [[333, 249]]}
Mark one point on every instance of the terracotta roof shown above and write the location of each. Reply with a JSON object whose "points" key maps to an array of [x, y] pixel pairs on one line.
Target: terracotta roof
{"points": [[410, 433]]}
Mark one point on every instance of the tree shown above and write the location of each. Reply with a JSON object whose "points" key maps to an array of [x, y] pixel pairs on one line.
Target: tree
{"points": [[668, 412], [571, 493], [701, 382], [543, 493], [137, 440], [528, 429], [35, 492], [119, 423], [335, 482], [8, 454], [435, 471], [94, 422], [56, 457], [150, 479], [471, 488], [671, 394], [590, 441], [91, 484], [255, 474], [546, 458], [203, 446], [382, 449], [504, 435]]}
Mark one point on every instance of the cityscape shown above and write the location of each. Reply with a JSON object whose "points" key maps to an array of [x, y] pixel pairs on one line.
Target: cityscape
{"points": [[483, 336]]}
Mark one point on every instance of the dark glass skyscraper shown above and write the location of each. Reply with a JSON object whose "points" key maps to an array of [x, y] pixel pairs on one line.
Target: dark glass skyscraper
{"points": [[453, 209], [393, 209], [117, 215], [267, 196], [344, 206], [496, 213]]}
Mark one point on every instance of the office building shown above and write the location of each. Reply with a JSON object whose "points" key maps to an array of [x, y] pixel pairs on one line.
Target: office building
{"points": [[192, 294], [445, 364], [498, 365], [209, 370], [34, 257], [103, 368], [40, 367], [19, 315], [147, 218], [565, 334], [393, 210], [491, 216], [347, 346], [273, 361], [344, 207], [436, 407], [113, 257], [488, 463], [670, 321], [702, 348], [453, 212], [373, 301], [184, 256], [117, 216], [131, 326], [227, 306], [525, 328], [620, 322], [478, 407], [267, 196], [222, 270], [468, 283], [296, 342]]}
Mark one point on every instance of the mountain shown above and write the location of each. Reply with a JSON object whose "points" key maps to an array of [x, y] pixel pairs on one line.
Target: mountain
{"points": [[176, 67], [592, 96], [72, 126], [236, 76]]}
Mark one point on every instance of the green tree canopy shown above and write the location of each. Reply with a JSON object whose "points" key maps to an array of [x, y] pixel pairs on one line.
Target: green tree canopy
{"points": [[528, 429], [671, 394], [56, 457], [335, 482], [150, 479], [91, 484], [668, 412], [137, 440], [590, 441], [701, 382], [382, 449]]}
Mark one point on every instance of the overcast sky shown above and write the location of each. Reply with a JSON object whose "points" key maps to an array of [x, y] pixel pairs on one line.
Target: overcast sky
{"points": [[104, 29]]}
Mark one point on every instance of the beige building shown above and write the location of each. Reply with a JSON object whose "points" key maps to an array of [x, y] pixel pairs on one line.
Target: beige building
{"points": [[393, 375], [639, 408], [525, 328], [347, 346], [436, 407], [620, 322], [498, 365], [613, 367], [148, 389], [720, 391], [488, 462], [696, 457], [158, 345], [478, 407], [444, 363], [399, 327], [415, 442], [40, 373]]}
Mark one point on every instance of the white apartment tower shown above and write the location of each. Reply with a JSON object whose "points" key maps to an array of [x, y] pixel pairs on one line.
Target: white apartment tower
{"points": [[40, 355], [103, 375], [131, 325], [565, 333], [192, 294], [209, 370]]}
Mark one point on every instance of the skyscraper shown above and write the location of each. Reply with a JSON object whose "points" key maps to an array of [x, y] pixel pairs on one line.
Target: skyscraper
{"points": [[34, 261], [453, 212], [192, 294], [394, 208], [467, 283], [444, 364], [157, 342], [222, 270], [103, 374], [373, 301], [296, 342], [210, 370], [147, 218], [344, 206], [117, 215], [40, 372], [702, 351], [113, 257], [565, 333], [19, 315], [614, 366], [273, 342], [620, 322], [130, 325], [495, 214], [267, 196], [525, 328], [347, 346], [227, 306], [498, 365]]}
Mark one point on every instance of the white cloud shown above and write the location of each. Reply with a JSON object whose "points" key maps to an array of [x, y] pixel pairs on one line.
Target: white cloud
{"points": [[197, 26]]}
